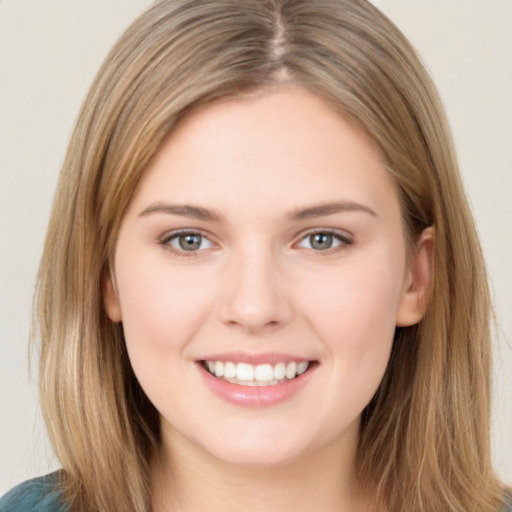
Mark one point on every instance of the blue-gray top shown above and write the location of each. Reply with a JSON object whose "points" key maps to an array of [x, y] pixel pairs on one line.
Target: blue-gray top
{"points": [[37, 495], [40, 495]]}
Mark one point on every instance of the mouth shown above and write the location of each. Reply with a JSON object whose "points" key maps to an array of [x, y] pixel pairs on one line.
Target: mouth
{"points": [[261, 375]]}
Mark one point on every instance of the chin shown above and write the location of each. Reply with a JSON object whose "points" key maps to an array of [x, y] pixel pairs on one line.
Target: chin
{"points": [[266, 449], [253, 457]]}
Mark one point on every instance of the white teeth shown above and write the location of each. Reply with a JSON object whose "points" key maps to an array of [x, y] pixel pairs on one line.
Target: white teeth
{"points": [[302, 367], [261, 375], [219, 369], [280, 371], [244, 371], [291, 370], [264, 372], [229, 370]]}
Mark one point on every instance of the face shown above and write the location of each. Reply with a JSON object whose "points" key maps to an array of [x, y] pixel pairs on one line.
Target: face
{"points": [[259, 273]]}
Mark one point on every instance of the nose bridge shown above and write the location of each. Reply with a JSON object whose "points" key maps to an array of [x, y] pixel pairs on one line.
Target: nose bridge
{"points": [[256, 295]]}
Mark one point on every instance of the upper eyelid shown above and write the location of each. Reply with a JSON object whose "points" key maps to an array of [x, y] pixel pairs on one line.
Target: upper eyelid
{"points": [[342, 234], [165, 242], [168, 235]]}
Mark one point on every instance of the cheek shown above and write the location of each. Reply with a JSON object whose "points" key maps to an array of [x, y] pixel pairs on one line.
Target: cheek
{"points": [[357, 324], [161, 310], [355, 315]]}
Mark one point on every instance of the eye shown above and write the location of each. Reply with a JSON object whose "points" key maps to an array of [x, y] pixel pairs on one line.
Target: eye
{"points": [[187, 241], [324, 240]]}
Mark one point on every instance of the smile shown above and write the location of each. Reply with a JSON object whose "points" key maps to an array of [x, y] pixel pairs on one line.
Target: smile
{"points": [[246, 374]]}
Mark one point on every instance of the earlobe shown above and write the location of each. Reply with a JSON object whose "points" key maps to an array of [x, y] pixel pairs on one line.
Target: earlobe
{"points": [[418, 281], [111, 299]]}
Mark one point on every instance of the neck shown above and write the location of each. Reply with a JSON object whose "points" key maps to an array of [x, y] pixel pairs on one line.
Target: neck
{"points": [[189, 479]]}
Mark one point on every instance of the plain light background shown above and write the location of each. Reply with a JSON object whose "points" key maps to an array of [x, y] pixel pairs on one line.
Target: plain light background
{"points": [[49, 53]]}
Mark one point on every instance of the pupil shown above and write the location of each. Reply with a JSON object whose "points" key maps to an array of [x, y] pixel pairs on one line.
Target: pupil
{"points": [[321, 241], [189, 242]]}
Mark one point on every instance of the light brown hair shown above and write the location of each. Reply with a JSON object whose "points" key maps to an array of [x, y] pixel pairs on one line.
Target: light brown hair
{"points": [[424, 441]]}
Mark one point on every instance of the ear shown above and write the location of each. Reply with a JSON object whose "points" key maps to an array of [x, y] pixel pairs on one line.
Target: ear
{"points": [[418, 281], [111, 298]]}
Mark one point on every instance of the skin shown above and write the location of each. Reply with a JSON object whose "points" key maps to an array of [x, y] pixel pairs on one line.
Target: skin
{"points": [[258, 285]]}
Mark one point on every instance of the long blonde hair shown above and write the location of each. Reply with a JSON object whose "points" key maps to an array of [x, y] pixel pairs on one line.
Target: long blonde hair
{"points": [[424, 440]]}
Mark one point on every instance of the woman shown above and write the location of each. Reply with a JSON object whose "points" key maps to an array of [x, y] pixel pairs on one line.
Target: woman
{"points": [[261, 287]]}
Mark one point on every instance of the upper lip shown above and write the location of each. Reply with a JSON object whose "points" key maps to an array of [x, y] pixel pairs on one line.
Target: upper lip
{"points": [[255, 358]]}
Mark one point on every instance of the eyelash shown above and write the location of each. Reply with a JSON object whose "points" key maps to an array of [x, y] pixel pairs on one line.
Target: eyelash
{"points": [[342, 239], [166, 240]]}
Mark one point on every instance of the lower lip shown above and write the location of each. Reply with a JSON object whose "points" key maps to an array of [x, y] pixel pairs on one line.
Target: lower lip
{"points": [[256, 396]]}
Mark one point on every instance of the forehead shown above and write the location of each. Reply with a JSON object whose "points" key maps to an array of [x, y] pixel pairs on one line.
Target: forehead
{"points": [[279, 147]]}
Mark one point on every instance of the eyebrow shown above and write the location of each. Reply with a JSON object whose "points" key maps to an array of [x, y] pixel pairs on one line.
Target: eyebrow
{"points": [[183, 210], [321, 210], [310, 212]]}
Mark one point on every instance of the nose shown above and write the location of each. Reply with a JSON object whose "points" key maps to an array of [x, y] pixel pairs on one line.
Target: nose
{"points": [[256, 297]]}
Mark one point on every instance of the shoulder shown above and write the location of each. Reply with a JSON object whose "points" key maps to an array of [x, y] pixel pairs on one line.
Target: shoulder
{"points": [[36, 495], [508, 503]]}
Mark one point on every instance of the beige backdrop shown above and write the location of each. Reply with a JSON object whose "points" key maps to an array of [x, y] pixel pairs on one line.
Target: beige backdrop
{"points": [[49, 52]]}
